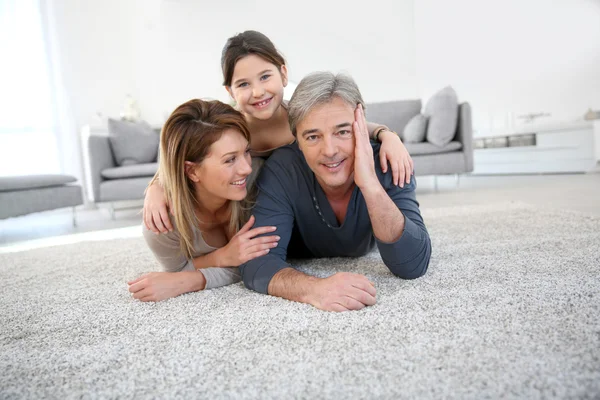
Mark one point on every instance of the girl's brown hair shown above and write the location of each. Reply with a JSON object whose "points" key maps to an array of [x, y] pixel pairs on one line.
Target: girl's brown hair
{"points": [[188, 135], [244, 44]]}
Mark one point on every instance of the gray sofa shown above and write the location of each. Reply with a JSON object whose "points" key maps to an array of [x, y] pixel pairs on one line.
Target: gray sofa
{"points": [[20, 195], [452, 159], [109, 182]]}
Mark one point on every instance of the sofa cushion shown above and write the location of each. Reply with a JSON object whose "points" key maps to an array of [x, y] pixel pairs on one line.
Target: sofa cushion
{"points": [[415, 130], [393, 114], [132, 142], [442, 111], [424, 148], [10, 183], [130, 171]]}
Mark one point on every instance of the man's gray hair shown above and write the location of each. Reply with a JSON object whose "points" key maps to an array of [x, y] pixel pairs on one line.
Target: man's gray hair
{"points": [[319, 88]]}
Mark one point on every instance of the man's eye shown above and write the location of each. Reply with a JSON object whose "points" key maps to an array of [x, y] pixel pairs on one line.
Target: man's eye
{"points": [[344, 133], [311, 138]]}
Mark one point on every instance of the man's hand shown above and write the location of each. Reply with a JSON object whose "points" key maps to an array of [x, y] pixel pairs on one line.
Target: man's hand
{"points": [[393, 150], [156, 213], [158, 286], [364, 165], [343, 291]]}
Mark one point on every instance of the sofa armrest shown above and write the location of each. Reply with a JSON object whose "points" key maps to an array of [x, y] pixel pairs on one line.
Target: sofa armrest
{"points": [[97, 157], [464, 133]]}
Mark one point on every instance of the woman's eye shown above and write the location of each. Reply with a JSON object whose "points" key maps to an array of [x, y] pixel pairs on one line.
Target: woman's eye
{"points": [[248, 151], [230, 160]]}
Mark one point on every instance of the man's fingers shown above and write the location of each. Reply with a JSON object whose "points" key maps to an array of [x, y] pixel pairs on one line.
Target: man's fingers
{"points": [[147, 299], [259, 231], [164, 216], [368, 287], [351, 303], [363, 296], [337, 307]]}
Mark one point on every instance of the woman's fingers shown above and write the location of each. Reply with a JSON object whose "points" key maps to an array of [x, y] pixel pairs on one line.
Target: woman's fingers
{"points": [[246, 226], [139, 284], [259, 231]]}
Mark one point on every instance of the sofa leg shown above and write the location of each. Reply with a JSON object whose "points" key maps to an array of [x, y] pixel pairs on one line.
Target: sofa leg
{"points": [[111, 208], [435, 183], [74, 218]]}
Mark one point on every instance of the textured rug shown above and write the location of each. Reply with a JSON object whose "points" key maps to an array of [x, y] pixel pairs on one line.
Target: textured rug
{"points": [[510, 307]]}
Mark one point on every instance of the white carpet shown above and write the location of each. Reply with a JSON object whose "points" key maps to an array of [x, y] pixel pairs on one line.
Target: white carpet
{"points": [[510, 307]]}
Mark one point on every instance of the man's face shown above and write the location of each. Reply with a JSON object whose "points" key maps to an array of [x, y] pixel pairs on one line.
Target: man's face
{"points": [[326, 139]]}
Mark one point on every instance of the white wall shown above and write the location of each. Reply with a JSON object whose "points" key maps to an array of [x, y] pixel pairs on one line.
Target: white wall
{"points": [[512, 56], [164, 52]]}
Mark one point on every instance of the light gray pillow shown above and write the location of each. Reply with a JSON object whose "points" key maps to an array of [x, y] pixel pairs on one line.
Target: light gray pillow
{"points": [[442, 111], [416, 129], [132, 142]]}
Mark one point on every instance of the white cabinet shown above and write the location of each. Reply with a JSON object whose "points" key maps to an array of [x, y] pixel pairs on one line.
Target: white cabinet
{"points": [[557, 149]]}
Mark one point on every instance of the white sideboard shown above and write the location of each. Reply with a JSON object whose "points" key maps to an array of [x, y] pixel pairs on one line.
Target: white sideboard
{"points": [[564, 148]]}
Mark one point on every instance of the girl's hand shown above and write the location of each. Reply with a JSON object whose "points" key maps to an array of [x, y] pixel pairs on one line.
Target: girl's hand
{"points": [[393, 150], [156, 212]]}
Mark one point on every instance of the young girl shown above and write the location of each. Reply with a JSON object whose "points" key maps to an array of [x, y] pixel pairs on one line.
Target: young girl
{"points": [[205, 171], [255, 74]]}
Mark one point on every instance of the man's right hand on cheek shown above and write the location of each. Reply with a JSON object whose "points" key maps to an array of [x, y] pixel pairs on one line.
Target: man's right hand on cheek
{"points": [[343, 291]]}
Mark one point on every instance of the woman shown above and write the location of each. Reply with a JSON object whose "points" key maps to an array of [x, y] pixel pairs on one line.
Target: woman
{"points": [[255, 74], [205, 171]]}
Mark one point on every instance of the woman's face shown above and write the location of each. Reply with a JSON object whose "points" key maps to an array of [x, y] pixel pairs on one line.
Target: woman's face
{"points": [[223, 173], [257, 86]]}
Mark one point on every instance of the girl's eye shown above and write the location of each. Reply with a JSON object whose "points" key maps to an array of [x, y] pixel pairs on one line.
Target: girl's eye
{"points": [[243, 84], [265, 77]]}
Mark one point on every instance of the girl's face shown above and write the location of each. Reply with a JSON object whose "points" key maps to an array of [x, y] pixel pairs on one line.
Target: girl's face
{"points": [[257, 87], [224, 171]]}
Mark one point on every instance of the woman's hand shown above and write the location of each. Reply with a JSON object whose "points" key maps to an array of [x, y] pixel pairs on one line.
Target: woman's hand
{"points": [[392, 149], [158, 286], [156, 212], [245, 246]]}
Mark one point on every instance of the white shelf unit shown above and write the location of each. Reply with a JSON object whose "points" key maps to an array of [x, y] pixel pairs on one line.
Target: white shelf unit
{"points": [[564, 149]]}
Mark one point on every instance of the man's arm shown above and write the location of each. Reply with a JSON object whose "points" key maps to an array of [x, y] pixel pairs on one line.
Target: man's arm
{"points": [[401, 235], [273, 207]]}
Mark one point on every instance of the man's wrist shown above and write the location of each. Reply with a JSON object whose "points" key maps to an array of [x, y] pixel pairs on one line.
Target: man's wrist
{"points": [[372, 189]]}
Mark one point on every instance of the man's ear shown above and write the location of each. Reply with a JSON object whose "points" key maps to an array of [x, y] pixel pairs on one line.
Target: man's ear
{"points": [[284, 74], [191, 171]]}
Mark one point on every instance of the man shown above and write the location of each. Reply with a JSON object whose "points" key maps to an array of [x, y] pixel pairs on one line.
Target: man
{"points": [[328, 197]]}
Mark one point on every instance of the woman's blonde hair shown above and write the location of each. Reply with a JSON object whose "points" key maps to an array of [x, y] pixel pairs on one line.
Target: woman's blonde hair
{"points": [[188, 135]]}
